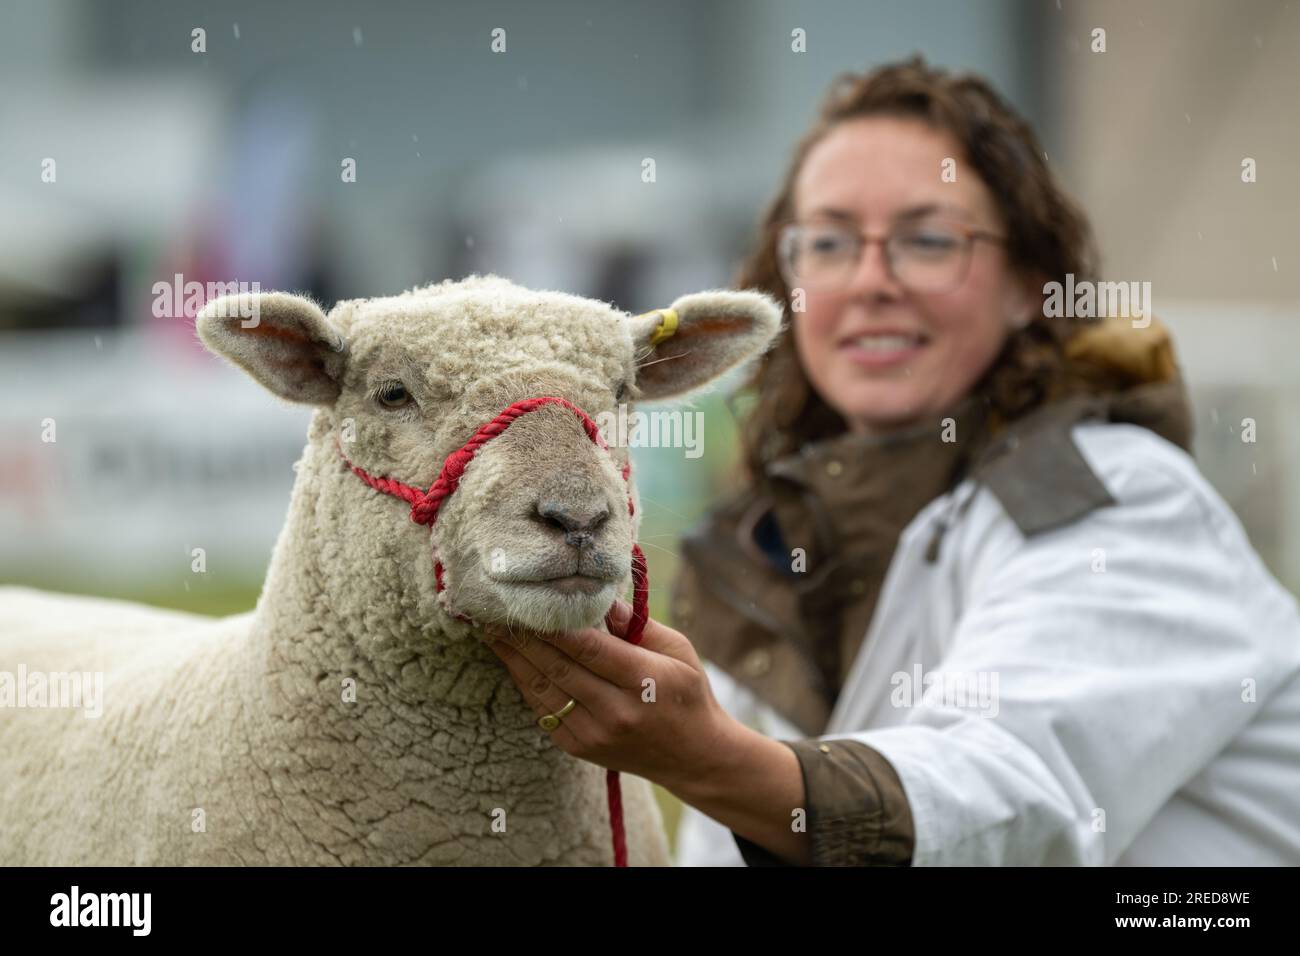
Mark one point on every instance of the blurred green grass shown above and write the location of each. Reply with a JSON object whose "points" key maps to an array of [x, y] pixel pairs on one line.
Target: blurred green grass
{"points": [[196, 593]]}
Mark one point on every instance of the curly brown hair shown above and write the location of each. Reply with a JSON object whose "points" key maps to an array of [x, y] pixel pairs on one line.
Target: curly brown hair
{"points": [[1048, 235]]}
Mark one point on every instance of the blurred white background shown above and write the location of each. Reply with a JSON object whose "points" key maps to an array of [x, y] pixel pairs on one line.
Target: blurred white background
{"points": [[225, 165]]}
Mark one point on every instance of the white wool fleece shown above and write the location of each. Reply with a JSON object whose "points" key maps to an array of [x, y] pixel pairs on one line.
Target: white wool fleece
{"points": [[349, 719]]}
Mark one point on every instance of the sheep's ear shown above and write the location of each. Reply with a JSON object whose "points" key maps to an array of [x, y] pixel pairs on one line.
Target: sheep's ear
{"points": [[700, 337], [284, 341]]}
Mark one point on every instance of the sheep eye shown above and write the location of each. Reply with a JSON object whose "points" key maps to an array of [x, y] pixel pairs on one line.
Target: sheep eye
{"points": [[394, 395], [621, 393]]}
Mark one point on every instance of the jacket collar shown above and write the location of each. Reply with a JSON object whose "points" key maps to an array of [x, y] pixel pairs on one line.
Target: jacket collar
{"points": [[853, 456], [854, 493], [1134, 371]]}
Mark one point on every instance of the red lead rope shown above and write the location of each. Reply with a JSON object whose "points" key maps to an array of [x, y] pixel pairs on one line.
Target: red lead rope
{"points": [[424, 510]]}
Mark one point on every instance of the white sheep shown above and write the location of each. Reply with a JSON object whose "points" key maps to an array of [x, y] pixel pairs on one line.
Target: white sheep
{"points": [[352, 718]]}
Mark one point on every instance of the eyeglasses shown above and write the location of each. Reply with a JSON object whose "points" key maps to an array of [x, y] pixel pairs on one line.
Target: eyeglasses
{"points": [[929, 255]]}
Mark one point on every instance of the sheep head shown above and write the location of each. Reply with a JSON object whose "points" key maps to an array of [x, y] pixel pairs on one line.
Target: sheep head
{"points": [[538, 531]]}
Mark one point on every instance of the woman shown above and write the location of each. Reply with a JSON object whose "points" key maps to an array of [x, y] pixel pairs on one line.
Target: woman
{"points": [[974, 604]]}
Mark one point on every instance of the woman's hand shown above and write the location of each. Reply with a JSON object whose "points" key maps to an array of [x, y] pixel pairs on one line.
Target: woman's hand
{"points": [[648, 709], [645, 709]]}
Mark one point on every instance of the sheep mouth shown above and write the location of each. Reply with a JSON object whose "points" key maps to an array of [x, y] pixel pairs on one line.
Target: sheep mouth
{"points": [[569, 584]]}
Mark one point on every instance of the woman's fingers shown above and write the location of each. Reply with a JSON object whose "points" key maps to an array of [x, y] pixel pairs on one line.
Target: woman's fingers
{"points": [[615, 722], [545, 697], [603, 655], [572, 675], [657, 638], [618, 617], [618, 661], [596, 666], [622, 664]]}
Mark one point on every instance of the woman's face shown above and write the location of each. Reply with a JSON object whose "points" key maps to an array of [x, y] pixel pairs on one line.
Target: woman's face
{"points": [[875, 173]]}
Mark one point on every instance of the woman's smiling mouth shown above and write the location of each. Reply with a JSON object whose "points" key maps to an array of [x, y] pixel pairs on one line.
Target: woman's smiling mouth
{"points": [[883, 349]]}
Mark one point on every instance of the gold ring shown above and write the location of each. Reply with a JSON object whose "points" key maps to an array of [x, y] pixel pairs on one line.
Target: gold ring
{"points": [[551, 721]]}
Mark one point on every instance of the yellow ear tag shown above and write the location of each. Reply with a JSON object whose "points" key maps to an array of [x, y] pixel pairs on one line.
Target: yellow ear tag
{"points": [[666, 328]]}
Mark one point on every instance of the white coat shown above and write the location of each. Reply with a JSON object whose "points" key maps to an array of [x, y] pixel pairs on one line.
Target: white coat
{"points": [[1134, 681]]}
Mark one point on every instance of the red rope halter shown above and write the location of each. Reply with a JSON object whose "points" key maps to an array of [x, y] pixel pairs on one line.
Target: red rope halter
{"points": [[424, 510]]}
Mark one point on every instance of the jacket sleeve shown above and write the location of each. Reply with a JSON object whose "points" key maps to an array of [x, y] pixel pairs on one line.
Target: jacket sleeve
{"points": [[1120, 653], [857, 810]]}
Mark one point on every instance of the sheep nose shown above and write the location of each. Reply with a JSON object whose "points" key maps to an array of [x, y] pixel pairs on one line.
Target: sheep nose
{"points": [[577, 523]]}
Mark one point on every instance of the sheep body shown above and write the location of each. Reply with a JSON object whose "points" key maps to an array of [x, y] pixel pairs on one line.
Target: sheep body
{"points": [[196, 762]]}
